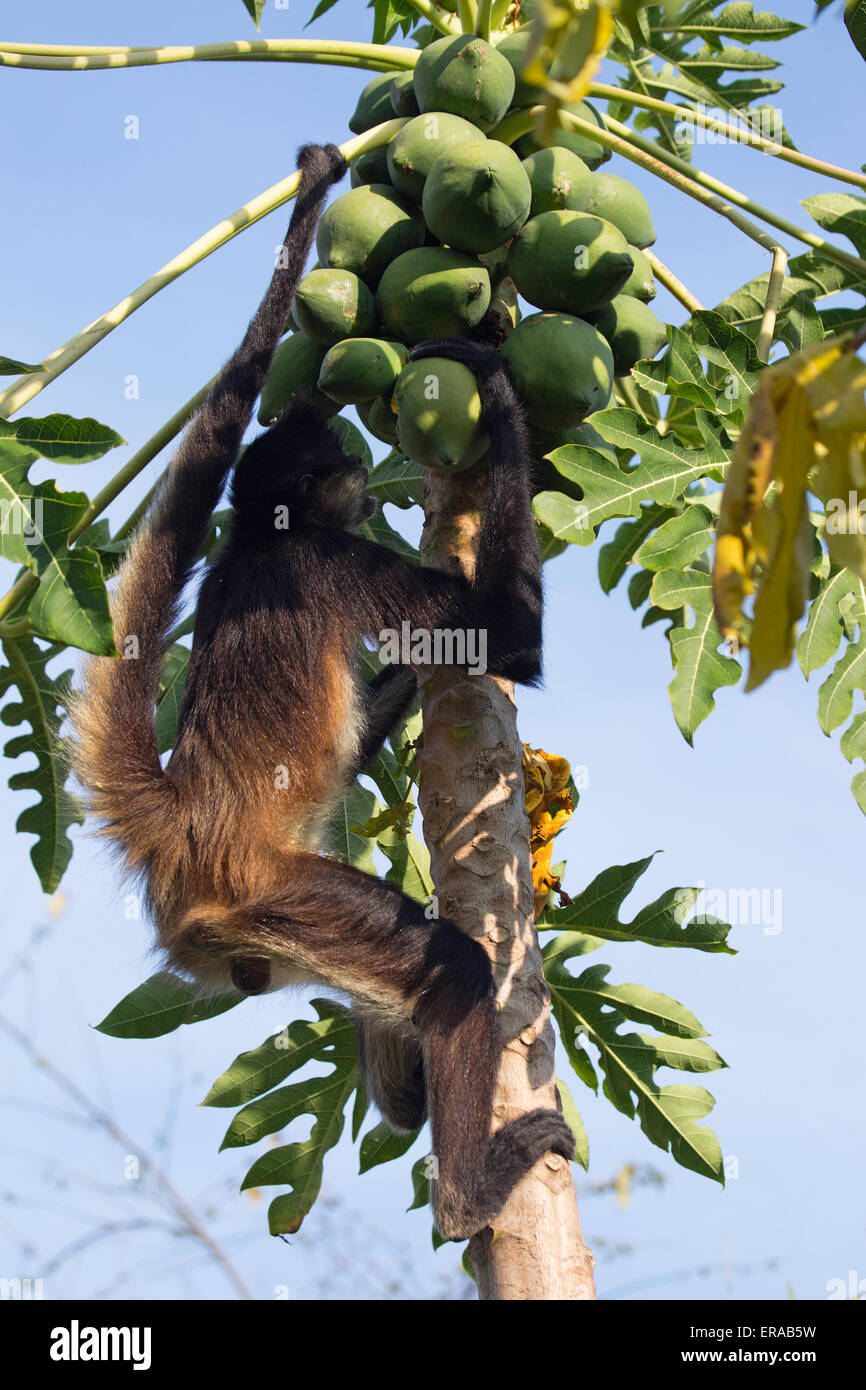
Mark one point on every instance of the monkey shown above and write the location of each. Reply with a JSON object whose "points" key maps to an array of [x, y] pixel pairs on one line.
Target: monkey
{"points": [[230, 854]]}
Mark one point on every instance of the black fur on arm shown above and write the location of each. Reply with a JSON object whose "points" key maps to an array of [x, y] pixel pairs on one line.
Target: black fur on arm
{"points": [[508, 578], [209, 448]]}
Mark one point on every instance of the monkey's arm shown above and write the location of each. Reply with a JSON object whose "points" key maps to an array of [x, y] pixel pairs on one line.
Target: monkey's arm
{"points": [[505, 597], [508, 569], [116, 757]]}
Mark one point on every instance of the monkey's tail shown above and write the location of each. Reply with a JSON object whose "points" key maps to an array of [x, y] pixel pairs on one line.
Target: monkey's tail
{"points": [[115, 755]]}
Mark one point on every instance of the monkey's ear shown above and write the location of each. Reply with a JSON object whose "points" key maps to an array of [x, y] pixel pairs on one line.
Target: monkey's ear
{"points": [[305, 483], [250, 976]]}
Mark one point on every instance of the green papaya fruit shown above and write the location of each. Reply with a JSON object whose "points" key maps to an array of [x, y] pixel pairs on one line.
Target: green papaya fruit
{"points": [[334, 304], [358, 369], [562, 368], [641, 283], [367, 228], [378, 417], [415, 149], [559, 180], [439, 415], [432, 293], [569, 260], [590, 151], [403, 100], [515, 47], [632, 330], [371, 167], [374, 104], [467, 77], [294, 366], [619, 202], [477, 195]]}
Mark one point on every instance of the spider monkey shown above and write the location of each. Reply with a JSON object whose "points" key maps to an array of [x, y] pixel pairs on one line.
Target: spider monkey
{"points": [[234, 879]]}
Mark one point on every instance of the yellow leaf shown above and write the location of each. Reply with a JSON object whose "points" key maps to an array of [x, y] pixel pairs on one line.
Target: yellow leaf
{"points": [[806, 420]]}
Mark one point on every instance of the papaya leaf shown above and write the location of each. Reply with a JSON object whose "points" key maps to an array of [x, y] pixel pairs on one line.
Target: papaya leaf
{"points": [[62, 438], [355, 808], [855, 23], [41, 704], [595, 913], [254, 10], [700, 669], [170, 694], [351, 438], [380, 1145], [615, 557], [819, 640], [379, 529], [665, 471], [572, 1117], [678, 541], [590, 1009], [70, 605], [299, 1166], [160, 1005], [10, 366], [842, 214], [254, 1073], [397, 480]]}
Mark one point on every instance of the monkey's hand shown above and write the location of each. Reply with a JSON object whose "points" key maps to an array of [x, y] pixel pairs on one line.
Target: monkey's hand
{"points": [[326, 160], [484, 362]]}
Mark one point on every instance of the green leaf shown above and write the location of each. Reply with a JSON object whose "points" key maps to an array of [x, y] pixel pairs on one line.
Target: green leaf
{"points": [[615, 557], [801, 325], [819, 640], [836, 695], [700, 669], [589, 1008], [10, 366], [665, 471], [254, 10], [170, 694], [160, 1005], [379, 529], [397, 480], [299, 1166], [380, 1145], [572, 1117], [62, 438], [679, 541], [71, 605], [596, 915], [351, 438], [736, 21], [355, 808], [855, 23], [322, 8], [306, 1040], [843, 214], [41, 705]]}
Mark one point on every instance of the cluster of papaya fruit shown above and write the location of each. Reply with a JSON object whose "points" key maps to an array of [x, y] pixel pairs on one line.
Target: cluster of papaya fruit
{"points": [[441, 232]]}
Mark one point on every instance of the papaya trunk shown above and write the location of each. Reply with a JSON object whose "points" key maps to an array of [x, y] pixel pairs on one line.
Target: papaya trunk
{"points": [[475, 825]]}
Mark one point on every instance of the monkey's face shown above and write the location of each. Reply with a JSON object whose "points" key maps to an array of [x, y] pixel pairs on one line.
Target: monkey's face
{"points": [[333, 492]]}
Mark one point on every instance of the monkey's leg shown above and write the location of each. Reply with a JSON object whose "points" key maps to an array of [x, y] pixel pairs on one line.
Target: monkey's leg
{"points": [[392, 1063], [367, 938]]}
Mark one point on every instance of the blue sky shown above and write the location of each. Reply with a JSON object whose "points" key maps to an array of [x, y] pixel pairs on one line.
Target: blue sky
{"points": [[760, 802]]}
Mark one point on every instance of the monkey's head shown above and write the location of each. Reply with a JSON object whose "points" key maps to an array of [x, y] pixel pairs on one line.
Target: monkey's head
{"points": [[299, 463], [220, 947]]}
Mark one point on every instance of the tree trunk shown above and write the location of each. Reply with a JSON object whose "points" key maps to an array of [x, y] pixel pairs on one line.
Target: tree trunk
{"points": [[472, 799]]}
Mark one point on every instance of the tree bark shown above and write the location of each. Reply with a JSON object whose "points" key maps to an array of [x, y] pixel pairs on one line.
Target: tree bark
{"points": [[471, 796]]}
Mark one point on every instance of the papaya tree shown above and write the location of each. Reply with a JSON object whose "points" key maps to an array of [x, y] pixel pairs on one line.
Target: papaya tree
{"points": [[719, 463]]}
